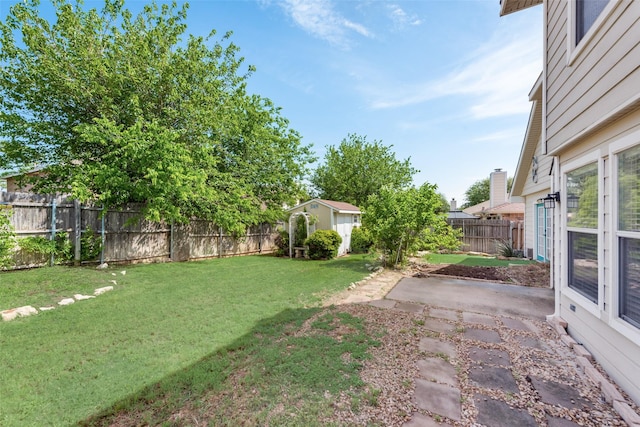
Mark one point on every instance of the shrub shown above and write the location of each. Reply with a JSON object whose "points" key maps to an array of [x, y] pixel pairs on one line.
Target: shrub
{"points": [[7, 237], [506, 249], [90, 245], [323, 244], [282, 243], [361, 240], [61, 247]]}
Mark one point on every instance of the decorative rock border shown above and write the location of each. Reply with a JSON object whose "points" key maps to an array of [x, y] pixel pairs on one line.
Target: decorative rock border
{"points": [[27, 310], [584, 359]]}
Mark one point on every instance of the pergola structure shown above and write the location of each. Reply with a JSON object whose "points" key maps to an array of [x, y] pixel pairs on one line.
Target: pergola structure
{"points": [[291, 222]]}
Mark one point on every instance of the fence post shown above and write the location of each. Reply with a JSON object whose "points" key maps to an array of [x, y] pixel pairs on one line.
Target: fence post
{"points": [[219, 242], [77, 230], [103, 214], [52, 261]]}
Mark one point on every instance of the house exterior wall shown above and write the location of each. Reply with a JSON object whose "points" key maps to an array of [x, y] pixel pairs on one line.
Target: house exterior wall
{"points": [[596, 78], [591, 112], [614, 342]]}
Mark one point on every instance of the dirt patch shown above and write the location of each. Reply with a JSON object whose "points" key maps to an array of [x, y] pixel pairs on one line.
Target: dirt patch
{"points": [[533, 275]]}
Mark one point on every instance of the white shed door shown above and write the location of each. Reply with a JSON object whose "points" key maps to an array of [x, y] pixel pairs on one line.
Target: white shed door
{"points": [[344, 230]]}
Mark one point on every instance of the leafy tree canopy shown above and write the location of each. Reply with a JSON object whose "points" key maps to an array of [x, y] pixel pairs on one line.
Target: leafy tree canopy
{"points": [[120, 108], [396, 218], [357, 169], [480, 191]]}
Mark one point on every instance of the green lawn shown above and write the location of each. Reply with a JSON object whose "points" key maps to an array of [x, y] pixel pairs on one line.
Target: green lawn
{"points": [[166, 332], [473, 260]]}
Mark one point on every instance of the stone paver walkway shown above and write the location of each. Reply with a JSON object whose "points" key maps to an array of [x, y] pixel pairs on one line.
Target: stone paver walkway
{"points": [[492, 361]]}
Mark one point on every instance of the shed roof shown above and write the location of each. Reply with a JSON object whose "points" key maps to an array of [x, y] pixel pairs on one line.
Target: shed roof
{"points": [[341, 207]]}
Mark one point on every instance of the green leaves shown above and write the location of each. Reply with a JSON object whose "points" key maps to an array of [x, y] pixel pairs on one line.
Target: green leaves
{"points": [[122, 108], [396, 218], [357, 169]]}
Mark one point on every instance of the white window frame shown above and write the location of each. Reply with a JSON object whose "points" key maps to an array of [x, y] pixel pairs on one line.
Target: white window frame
{"points": [[585, 303], [574, 48], [620, 325]]}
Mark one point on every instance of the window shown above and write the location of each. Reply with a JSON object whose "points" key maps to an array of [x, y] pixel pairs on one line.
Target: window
{"points": [[629, 234], [587, 11], [582, 227]]}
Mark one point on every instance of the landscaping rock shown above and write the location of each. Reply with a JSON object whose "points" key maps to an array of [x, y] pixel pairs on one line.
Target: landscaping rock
{"points": [[47, 308], [26, 310], [80, 297], [66, 301], [10, 314], [100, 291], [102, 266]]}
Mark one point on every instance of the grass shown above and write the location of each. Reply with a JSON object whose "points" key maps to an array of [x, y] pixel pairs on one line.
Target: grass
{"points": [[473, 260], [170, 335]]}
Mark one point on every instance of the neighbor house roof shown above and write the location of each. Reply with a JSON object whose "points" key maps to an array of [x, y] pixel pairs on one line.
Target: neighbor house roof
{"points": [[531, 138], [485, 208], [510, 6], [341, 207], [460, 215]]}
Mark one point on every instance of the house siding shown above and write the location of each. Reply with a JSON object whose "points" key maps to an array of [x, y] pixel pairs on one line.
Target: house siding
{"points": [[602, 77], [593, 325]]}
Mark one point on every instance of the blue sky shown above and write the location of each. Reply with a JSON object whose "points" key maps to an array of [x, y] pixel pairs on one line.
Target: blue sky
{"points": [[443, 81]]}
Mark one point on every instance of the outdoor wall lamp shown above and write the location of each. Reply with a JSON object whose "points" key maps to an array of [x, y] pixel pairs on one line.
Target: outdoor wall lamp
{"points": [[551, 199]]}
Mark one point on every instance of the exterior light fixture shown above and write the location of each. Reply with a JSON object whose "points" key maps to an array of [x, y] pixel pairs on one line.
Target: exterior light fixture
{"points": [[551, 199]]}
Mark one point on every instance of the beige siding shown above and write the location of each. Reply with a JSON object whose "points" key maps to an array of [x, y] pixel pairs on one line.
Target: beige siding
{"points": [[603, 76], [619, 356], [321, 212]]}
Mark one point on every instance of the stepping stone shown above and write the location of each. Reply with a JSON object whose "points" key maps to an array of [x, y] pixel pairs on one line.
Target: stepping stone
{"points": [[438, 398], [482, 335], [531, 342], [437, 369], [555, 393], [356, 299], [481, 319], [419, 420], [410, 307], [438, 326], [436, 346], [514, 324], [493, 378], [496, 413], [383, 303], [560, 422], [441, 313], [66, 301], [489, 356]]}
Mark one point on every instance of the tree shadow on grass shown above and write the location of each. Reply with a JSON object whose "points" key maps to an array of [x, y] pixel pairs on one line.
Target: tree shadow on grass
{"points": [[275, 364]]}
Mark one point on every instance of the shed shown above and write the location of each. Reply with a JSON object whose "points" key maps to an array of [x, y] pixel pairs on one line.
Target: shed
{"points": [[332, 215]]}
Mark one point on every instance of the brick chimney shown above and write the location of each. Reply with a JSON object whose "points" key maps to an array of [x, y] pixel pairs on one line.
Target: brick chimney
{"points": [[498, 188]]}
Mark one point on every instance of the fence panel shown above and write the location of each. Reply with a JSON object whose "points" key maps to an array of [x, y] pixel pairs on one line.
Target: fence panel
{"points": [[485, 235], [126, 239]]}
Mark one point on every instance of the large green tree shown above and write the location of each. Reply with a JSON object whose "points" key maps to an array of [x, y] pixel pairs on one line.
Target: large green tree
{"points": [[121, 108], [357, 168]]}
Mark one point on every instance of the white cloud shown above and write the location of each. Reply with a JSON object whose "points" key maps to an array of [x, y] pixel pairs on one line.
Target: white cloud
{"points": [[319, 18], [400, 18], [495, 78]]}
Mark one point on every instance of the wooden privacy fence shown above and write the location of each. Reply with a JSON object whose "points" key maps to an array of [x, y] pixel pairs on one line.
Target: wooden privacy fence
{"points": [[124, 240], [481, 235]]}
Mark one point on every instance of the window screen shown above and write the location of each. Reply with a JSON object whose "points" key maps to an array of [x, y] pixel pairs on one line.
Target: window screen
{"points": [[587, 11], [582, 197], [629, 240], [629, 190], [583, 264]]}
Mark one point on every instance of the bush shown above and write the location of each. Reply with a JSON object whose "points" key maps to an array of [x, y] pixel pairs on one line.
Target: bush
{"points": [[323, 244], [361, 240], [7, 237], [282, 243]]}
